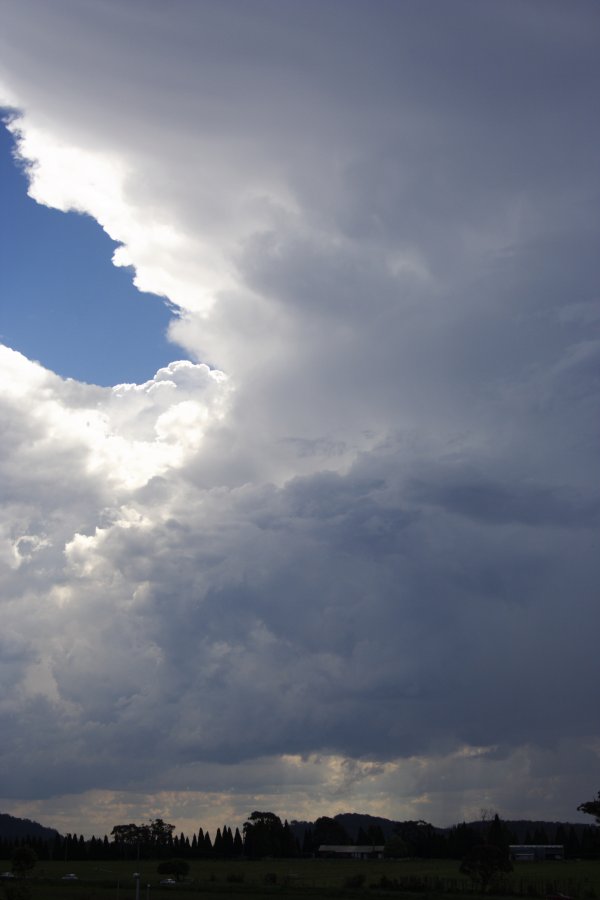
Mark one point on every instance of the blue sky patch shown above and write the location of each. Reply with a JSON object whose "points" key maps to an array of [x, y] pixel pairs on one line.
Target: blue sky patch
{"points": [[64, 303]]}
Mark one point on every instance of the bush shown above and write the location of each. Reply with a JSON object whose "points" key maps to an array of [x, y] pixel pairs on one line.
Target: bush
{"points": [[176, 867], [387, 884], [235, 877], [23, 861], [355, 881], [484, 863], [18, 890]]}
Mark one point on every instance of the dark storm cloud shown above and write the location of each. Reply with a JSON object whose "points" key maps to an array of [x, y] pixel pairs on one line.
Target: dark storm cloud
{"points": [[290, 615]]}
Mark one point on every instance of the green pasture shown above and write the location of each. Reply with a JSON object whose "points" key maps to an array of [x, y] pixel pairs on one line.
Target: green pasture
{"points": [[298, 879]]}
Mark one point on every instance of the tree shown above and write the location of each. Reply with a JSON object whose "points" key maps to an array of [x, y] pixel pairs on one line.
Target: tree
{"points": [[308, 842], [23, 861], [483, 863], [395, 848], [289, 844], [460, 840], [127, 836], [154, 837], [238, 844], [329, 831], [499, 835], [227, 842], [263, 835], [159, 834], [419, 837], [218, 843], [176, 867], [591, 808], [375, 836]]}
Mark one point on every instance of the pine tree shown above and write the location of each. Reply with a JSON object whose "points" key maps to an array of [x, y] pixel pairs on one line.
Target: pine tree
{"points": [[589, 842], [308, 842], [238, 844], [498, 834], [572, 849], [227, 842], [289, 845]]}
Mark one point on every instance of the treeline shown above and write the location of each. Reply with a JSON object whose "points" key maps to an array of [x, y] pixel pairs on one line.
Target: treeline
{"points": [[421, 839], [13, 827], [73, 847], [265, 835]]}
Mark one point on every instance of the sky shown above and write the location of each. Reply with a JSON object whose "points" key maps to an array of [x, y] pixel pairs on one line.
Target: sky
{"points": [[299, 408], [65, 304]]}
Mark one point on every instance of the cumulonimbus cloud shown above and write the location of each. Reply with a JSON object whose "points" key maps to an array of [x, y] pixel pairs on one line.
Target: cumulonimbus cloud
{"points": [[360, 524]]}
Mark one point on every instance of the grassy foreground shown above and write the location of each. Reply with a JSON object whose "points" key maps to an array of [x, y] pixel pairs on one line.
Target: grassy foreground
{"points": [[299, 879]]}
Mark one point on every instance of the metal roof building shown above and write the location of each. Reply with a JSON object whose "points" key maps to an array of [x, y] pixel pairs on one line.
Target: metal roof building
{"points": [[351, 851]]}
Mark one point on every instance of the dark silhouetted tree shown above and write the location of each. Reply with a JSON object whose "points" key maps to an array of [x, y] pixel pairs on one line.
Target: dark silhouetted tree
{"points": [[460, 840], [23, 860], [176, 867], [308, 845], [218, 843], [263, 835], [329, 831], [395, 848], [591, 808], [227, 842], [126, 837], [498, 834], [375, 835], [238, 844], [289, 844], [572, 848], [484, 863], [419, 837], [589, 842]]}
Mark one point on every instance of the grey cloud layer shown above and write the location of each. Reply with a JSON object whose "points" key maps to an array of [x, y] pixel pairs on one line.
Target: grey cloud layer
{"points": [[377, 538]]}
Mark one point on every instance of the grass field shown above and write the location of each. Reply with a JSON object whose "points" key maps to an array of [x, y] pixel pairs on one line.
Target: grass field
{"points": [[299, 879]]}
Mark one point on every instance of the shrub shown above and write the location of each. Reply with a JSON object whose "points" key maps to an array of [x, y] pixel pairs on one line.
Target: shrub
{"points": [[355, 881], [235, 877]]}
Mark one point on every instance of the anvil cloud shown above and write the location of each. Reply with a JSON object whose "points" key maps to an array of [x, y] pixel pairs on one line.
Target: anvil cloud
{"points": [[347, 555]]}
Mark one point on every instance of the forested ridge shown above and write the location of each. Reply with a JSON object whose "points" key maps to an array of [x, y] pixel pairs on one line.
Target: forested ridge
{"points": [[264, 834]]}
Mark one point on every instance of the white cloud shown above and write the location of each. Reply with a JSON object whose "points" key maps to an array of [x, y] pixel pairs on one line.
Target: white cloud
{"points": [[352, 539]]}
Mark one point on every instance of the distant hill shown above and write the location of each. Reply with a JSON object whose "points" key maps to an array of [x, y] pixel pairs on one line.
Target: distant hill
{"points": [[12, 827], [522, 827], [352, 822]]}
